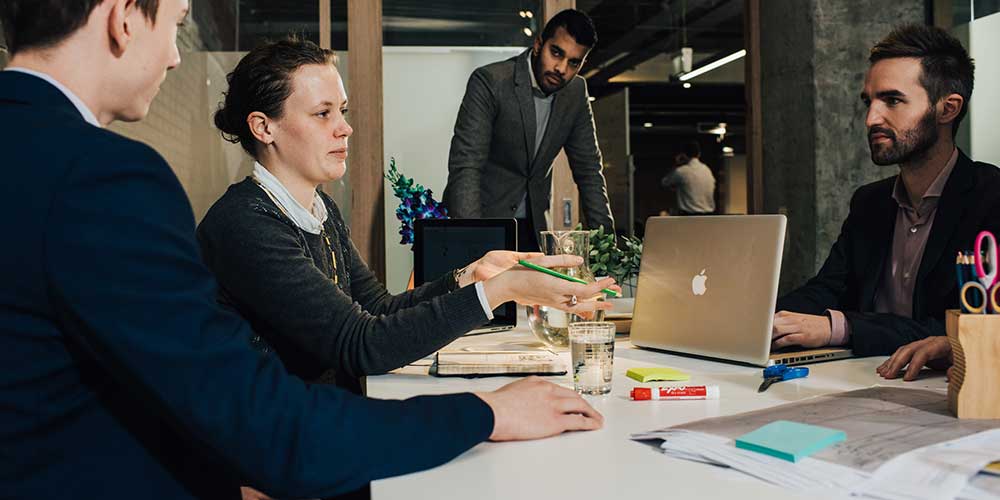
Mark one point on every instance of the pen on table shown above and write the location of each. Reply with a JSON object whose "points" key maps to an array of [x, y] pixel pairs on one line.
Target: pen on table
{"points": [[557, 274]]}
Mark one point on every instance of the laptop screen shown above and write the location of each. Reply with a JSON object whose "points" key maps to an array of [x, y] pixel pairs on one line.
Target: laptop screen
{"points": [[441, 246]]}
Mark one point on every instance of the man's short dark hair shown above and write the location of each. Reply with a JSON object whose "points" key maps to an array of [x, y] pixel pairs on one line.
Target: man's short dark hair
{"points": [[945, 64], [576, 23], [36, 24], [692, 149]]}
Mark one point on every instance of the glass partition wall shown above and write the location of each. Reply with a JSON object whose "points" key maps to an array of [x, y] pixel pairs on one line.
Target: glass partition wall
{"points": [[216, 36]]}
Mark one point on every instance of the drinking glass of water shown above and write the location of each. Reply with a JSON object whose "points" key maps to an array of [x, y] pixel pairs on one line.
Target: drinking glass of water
{"points": [[592, 350]]}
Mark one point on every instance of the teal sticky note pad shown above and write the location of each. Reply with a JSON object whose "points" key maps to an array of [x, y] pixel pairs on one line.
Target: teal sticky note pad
{"points": [[790, 441]]}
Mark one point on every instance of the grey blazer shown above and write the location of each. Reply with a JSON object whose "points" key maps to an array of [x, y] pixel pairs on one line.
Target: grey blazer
{"points": [[490, 164]]}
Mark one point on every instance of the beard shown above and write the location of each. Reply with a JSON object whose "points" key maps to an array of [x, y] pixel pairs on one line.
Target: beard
{"points": [[541, 77], [914, 143]]}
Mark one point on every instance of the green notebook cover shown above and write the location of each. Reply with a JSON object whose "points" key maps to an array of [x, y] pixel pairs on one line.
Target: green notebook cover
{"points": [[790, 441]]}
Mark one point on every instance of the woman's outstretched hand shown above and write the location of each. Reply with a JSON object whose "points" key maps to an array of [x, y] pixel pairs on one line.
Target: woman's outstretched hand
{"points": [[526, 286], [492, 264]]}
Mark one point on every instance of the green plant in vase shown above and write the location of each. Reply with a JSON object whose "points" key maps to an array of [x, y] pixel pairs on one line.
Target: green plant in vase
{"points": [[619, 261]]}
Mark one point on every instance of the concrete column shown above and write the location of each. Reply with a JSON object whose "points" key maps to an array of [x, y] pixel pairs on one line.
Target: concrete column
{"points": [[814, 55]]}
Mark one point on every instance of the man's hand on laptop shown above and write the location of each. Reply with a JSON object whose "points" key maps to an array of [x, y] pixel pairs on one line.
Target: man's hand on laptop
{"points": [[804, 330], [932, 352]]}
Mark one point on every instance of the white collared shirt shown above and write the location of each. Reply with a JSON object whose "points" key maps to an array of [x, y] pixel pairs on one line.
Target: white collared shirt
{"points": [[308, 220], [80, 106]]}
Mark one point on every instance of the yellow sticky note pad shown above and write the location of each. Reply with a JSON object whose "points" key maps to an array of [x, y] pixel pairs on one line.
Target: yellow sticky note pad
{"points": [[657, 373], [993, 468]]}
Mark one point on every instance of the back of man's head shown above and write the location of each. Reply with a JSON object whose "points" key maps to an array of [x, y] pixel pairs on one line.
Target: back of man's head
{"points": [[692, 149], [40, 24], [945, 64], [576, 23]]}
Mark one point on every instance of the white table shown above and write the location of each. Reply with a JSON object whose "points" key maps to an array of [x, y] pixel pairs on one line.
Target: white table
{"points": [[606, 463]]}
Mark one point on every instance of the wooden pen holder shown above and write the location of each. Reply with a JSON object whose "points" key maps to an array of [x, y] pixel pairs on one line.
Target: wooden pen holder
{"points": [[975, 375]]}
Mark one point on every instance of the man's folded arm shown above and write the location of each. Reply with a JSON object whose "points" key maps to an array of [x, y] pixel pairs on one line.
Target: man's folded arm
{"points": [[128, 285]]}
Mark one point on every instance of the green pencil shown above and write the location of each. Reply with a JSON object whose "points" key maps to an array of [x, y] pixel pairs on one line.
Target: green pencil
{"points": [[557, 274]]}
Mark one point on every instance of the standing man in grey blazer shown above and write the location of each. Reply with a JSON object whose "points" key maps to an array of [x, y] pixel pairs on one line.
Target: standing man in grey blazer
{"points": [[516, 116]]}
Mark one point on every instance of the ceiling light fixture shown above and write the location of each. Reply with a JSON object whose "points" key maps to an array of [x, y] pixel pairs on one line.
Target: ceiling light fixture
{"points": [[647, 125], [529, 14], [527, 31], [687, 85], [521, 13], [714, 64], [591, 98]]}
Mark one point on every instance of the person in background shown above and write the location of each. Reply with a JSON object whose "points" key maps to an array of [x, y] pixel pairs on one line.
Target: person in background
{"points": [[515, 118], [123, 377], [891, 274], [694, 182]]}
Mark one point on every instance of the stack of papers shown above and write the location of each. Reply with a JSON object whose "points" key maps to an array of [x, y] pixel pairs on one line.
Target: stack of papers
{"points": [[896, 438], [819, 477]]}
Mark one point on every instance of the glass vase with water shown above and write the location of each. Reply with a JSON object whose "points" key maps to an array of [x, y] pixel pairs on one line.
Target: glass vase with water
{"points": [[551, 325]]}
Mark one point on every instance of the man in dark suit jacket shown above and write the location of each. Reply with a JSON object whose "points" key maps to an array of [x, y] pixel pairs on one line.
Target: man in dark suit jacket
{"points": [[122, 377], [891, 274], [515, 118]]}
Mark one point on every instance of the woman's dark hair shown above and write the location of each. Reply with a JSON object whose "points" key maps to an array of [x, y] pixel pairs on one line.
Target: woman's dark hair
{"points": [[945, 64], [576, 23], [262, 81], [44, 23]]}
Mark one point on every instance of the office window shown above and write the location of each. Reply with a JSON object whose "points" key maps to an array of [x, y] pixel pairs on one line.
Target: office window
{"points": [[179, 125], [3, 50], [953, 13], [468, 23]]}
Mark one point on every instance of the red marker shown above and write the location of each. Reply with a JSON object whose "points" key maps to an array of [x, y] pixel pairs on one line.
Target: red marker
{"points": [[675, 393]]}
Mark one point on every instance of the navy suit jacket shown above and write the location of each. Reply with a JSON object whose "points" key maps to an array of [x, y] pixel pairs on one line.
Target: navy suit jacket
{"points": [[851, 275], [120, 376]]}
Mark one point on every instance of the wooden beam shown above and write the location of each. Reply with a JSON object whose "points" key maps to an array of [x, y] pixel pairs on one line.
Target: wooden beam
{"points": [[364, 55], [755, 142], [564, 192], [324, 24]]}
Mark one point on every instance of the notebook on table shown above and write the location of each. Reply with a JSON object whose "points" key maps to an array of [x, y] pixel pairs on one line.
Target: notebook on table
{"points": [[460, 363]]}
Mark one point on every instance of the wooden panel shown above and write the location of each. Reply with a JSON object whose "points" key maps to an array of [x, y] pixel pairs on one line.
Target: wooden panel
{"points": [[973, 378], [755, 144], [364, 54], [611, 119], [563, 187], [324, 23]]}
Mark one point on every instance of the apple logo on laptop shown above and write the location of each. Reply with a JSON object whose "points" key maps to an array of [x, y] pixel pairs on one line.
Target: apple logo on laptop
{"points": [[698, 283]]}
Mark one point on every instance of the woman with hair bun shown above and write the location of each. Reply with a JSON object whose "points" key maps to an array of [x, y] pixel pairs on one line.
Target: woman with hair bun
{"points": [[283, 254]]}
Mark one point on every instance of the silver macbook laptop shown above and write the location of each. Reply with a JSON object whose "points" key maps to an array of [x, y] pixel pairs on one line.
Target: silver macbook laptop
{"points": [[708, 285]]}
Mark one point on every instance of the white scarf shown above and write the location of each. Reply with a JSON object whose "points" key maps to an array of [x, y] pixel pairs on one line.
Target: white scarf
{"points": [[310, 221]]}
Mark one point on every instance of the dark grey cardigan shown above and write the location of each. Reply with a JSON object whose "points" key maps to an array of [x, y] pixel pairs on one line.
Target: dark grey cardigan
{"points": [[279, 278]]}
